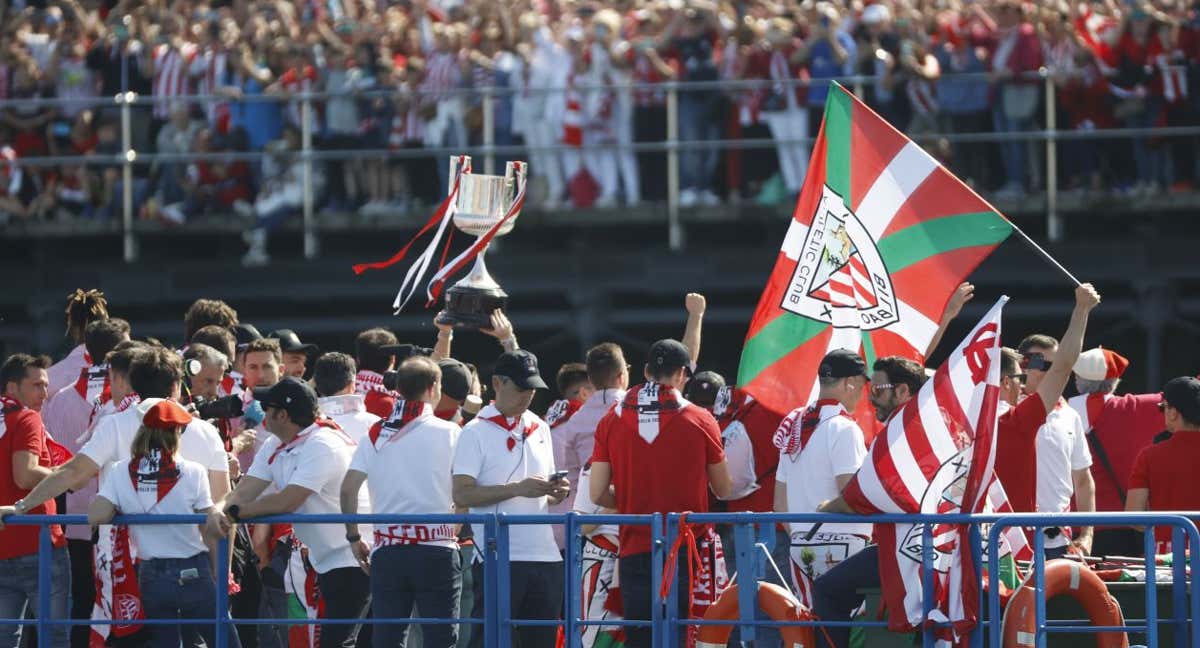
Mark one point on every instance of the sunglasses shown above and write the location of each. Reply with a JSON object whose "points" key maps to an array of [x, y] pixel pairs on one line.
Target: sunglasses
{"points": [[881, 387], [1037, 362], [1021, 378]]}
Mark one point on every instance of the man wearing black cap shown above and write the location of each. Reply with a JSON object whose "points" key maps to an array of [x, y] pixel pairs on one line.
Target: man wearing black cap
{"points": [[504, 463], [295, 352], [821, 447], [456, 387], [305, 461], [702, 389], [653, 428], [1163, 476]]}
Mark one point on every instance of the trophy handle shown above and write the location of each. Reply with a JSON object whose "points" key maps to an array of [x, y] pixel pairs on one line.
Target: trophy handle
{"points": [[514, 179], [457, 162]]}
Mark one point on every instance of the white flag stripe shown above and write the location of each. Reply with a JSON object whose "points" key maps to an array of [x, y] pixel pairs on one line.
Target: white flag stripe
{"points": [[935, 428], [793, 241], [868, 481], [913, 326], [891, 189], [906, 465]]}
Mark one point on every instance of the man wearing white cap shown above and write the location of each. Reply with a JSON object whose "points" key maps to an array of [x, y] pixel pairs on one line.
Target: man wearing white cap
{"points": [[1063, 458], [1117, 429]]}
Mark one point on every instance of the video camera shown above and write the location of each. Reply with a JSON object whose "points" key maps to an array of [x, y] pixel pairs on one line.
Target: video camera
{"points": [[226, 407]]}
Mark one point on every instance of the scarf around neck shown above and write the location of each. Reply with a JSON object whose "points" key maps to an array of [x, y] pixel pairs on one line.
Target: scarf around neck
{"points": [[92, 383], [651, 407], [797, 428], [397, 425], [154, 472], [516, 428], [561, 411]]}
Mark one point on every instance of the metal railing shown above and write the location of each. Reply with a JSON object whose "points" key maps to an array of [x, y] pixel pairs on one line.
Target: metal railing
{"points": [[665, 624], [489, 151]]}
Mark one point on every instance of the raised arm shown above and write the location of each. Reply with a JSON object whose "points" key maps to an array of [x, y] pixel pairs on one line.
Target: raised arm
{"points": [[696, 305], [963, 294], [1051, 387]]}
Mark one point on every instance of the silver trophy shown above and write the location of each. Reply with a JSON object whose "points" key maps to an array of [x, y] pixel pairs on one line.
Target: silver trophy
{"points": [[483, 201]]}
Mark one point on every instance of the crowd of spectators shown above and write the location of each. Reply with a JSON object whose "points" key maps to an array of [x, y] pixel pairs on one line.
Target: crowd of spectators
{"points": [[410, 75]]}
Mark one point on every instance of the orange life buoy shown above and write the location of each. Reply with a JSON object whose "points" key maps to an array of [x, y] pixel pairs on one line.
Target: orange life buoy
{"points": [[1080, 583], [777, 602]]}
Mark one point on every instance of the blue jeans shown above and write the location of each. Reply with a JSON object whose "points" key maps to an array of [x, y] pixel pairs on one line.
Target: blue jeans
{"points": [[428, 579], [116, 207], [1014, 152], [836, 597], [19, 588], [698, 121], [181, 588]]}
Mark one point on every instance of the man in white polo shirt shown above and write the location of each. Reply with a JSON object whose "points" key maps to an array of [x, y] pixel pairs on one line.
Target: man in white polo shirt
{"points": [[333, 378], [305, 460], [504, 464], [406, 460]]}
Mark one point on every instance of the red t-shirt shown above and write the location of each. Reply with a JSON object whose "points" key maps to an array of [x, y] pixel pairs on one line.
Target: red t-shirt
{"points": [[760, 424], [1168, 469], [1125, 426], [1016, 452], [379, 403], [669, 475], [23, 431]]}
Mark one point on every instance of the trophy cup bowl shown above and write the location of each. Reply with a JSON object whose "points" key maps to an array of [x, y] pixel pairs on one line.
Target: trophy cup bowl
{"points": [[483, 201]]}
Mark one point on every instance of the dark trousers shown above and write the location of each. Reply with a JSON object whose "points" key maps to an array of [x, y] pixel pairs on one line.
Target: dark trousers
{"points": [[835, 594], [636, 577], [181, 588], [650, 125], [537, 593], [427, 578], [83, 589], [347, 593]]}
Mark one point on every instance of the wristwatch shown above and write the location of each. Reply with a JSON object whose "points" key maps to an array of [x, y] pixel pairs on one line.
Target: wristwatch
{"points": [[353, 537], [233, 512]]}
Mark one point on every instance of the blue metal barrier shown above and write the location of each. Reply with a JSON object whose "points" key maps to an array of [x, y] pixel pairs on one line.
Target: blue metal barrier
{"points": [[497, 624]]}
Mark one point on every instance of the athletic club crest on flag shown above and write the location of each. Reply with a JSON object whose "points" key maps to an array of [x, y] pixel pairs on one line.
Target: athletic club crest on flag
{"points": [[840, 277], [881, 236]]}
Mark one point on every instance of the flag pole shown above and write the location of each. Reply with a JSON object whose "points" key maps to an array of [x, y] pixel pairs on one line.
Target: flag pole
{"points": [[1046, 255]]}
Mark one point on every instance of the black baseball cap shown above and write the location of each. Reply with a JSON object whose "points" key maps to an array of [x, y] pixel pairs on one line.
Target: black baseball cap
{"points": [[405, 351], [702, 389], [289, 342], [670, 355], [245, 334], [1183, 394], [842, 363], [292, 395], [456, 379], [521, 367]]}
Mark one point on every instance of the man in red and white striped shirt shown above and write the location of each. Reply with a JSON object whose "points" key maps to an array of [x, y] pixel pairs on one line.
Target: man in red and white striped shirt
{"points": [[171, 61]]}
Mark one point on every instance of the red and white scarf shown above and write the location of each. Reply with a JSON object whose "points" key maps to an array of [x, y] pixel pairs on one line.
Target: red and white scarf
{"points": [[397, 425], [368, 381], [7, 406], [154, 473], [561, 411], [231, 384], [732, 402], [518, 429], [118, 596], [652, 406], [93, 381], [797, 428]]}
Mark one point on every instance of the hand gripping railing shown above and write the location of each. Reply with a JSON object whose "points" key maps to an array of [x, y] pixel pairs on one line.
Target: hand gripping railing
{"points": [[498, 623]]}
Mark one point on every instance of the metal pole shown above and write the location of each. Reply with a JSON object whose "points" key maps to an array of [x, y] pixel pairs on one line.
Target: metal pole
{"points": [[222, 580], [1151, 586], [126, 100], [503, 610], [1053, 222], [574, 583], [45, 558], [743, 534], [658, 552], [927, 637], [489, 132], [674, 231], [310, 233]]}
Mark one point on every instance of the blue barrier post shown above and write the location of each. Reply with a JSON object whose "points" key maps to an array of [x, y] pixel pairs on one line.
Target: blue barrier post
{"points": [[43, 575], [221, 582], [994, 618], [658, 550], [674, 587], [1179, 585], [1039, 587], [503, 584], [975, 538], [1151, 586], [927, 637], [574, 569], [743, 534], [491, 628]]}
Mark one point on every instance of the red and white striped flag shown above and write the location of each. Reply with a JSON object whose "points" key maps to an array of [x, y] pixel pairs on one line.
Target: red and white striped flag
{"points": [[936, 456]]}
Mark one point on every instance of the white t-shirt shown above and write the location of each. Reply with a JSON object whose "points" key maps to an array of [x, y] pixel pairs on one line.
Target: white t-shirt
{"points": [[349, 411], [739, 456], [408, 472], [113, 435], [317, 459], [483, 453], [584, 504], [1061, 448], [189, 495], [810, 475]]}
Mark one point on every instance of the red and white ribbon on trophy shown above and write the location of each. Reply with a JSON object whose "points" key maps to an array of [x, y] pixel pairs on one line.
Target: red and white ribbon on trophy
{"points": [[442, 217]]}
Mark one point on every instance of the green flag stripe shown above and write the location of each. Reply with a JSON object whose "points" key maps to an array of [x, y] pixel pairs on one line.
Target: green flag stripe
{"points": [[923, 240], [838, 111], [868, 349], [779, 337]]}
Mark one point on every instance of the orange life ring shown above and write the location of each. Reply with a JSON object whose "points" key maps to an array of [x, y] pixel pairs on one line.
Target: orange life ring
{"points": [[777, 602], [1080, 583]]}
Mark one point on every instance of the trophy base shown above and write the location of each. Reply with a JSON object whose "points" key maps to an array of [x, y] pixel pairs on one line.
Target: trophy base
{"points": [[472, 308]]}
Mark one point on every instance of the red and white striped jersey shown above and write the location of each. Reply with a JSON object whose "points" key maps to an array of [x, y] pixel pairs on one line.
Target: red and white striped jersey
{"points": [[442, 75], [172, 69]]}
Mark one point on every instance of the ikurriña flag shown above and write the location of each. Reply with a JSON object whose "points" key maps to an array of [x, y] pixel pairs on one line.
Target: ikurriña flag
{"points": [[881, 236], [936, 456]]}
